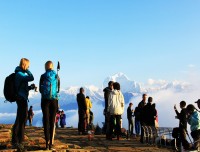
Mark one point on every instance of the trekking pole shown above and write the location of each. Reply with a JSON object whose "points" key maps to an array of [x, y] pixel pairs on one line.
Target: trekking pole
{"points": [[58, 89]]}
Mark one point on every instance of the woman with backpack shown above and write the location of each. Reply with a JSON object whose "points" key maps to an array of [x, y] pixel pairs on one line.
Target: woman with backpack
{"points": [[49, 103], [22, 77]]}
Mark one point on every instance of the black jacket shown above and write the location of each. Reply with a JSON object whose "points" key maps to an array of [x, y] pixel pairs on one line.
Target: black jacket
{"points": [[106, 91], [182, 116], [149, 115], [140, 111], [81, 101], [129, 113]]}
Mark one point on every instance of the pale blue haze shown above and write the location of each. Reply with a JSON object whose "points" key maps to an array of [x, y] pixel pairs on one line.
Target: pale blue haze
{"points": [[93, 39]]}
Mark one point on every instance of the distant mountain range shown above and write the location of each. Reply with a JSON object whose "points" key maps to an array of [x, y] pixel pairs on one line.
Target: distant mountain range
{"points": [[67, 102]]}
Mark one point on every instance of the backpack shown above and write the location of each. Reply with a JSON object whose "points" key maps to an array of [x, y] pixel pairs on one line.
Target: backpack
{"points": [[49, 85], [10, 92], [175, 132]]}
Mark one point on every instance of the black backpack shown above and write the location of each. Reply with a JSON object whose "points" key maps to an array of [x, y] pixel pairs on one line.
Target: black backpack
{"points": [[9, 90]]}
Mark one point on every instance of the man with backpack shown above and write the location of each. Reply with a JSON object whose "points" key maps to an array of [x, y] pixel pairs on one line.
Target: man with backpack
{"points": [[49, 89], [22, 77]]}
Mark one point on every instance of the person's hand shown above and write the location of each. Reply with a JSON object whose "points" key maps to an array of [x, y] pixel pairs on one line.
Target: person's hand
{"points": [[32, 86], [175, 107]]}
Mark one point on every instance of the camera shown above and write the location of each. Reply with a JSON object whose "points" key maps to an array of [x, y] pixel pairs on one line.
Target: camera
{"points": [[34, 87]]}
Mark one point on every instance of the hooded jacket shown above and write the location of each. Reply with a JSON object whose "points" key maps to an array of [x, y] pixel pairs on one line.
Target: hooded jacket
{"points": [[107, 92], [21, 82], [116, 103], [194, 121]]}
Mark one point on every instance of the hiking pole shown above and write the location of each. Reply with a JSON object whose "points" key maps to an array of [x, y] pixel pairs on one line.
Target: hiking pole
{"points": [[58, 90]]}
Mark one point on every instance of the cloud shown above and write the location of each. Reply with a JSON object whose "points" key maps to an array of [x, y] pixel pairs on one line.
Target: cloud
{"points": [[191, 65]]}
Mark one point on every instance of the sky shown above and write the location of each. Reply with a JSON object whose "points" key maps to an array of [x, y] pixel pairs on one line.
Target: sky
{"points": [[94, 39]]}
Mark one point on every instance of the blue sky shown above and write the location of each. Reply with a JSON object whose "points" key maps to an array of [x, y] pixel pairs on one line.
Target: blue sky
{"points": [[94, 39]]}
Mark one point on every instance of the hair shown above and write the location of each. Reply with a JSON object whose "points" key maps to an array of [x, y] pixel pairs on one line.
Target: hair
{"points": [[49, 65], [182, 103], [150, 99], [81, 89], [190, 107], [130, 103], [88, 97], [110, 83], [116, 86], [144, 95], [31, 106], [24, 63]]}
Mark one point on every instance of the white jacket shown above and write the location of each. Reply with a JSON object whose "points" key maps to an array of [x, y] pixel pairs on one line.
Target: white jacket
{"points": [[116, 103]]}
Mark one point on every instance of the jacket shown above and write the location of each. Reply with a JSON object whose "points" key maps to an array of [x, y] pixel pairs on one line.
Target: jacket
{"points": [[182, 116], [129, 113], [81, 101], [88, 104], [107, 92], [116, 103], [194, 121], [21, 82], [149, 115]]}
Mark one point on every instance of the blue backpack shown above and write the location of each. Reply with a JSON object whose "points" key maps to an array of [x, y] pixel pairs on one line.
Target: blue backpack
{"points": [[49, 85]]}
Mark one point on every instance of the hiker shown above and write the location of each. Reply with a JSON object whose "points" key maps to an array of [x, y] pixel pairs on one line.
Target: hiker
{"points": [[116, 109], [107, 92], [81, 112], [57, 118], [198, 103], [140, 111], [30, 115], [49, 90], [62, 119], [22, 77], [130, 118], [182, 116], [88, 107], [137, 121], [194, 122], [149, 113]]}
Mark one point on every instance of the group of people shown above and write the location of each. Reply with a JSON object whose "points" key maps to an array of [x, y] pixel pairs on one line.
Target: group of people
{"points": [[189, 114], [49, 88], [114, 108], [85, 114]]}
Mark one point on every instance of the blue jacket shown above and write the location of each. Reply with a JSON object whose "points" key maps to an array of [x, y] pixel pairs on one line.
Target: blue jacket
{"points": [[21, 82], [63, 119], [194, 121]]}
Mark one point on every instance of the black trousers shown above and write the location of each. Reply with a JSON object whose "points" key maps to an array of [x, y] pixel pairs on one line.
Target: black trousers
{"points": [[117, 126], [82, 120], [20, 122], [130, 125], [49, 109], [183, 139]]}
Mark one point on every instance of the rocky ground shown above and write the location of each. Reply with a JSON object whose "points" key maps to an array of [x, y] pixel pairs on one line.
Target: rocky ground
{"points": [[67, 140]]}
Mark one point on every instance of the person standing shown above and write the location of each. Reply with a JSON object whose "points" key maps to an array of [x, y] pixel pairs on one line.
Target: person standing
{"points": [[88, 107], [49, 90], [194, 122], [57, 118], [22, 77], [107, 92], [81, 112], [130, 118], [116, 109], [137, 121], [30, 115], [182, 116], [198, 103], [141, 115], [62, 119]]}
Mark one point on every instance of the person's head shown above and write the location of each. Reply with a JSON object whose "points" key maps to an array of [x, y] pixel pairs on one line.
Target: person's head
{"points": [[144, 97], [62, 112], [116, 86], [82, 90], [49, 65], [150, 100], [31, 107], [24, 64], [190, 108], [130, 104], [198, 103], [87, 97], [182, 104], [110, 84]]}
